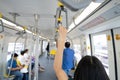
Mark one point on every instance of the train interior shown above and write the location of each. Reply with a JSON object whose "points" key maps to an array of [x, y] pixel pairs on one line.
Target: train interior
{"points": [[93, 29]]}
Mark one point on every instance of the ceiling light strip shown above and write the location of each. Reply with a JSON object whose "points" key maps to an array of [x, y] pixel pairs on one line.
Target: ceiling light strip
{"points": [[8, 22], [84, 14], [80, 19]]}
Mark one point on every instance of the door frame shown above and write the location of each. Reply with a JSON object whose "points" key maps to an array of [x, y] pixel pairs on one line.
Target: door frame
{"points": [[111, 52]]}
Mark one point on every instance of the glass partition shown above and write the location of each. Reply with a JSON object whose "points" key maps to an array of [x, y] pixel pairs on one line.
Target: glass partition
{"points": [[18, 48], [100, 50]]}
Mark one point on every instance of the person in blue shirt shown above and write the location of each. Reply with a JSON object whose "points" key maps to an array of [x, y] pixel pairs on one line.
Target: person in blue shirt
{"points": [[14, 68], [68, 58]]}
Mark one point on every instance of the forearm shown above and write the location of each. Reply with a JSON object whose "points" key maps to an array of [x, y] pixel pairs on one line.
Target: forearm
{"points": [[58, 63], [13, 69], [61, 75], [17, 68], [59, 55]]}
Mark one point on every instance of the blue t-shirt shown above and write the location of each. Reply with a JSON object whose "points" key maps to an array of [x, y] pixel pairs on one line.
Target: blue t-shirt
{"points": [[68, 58], [14, 63]]}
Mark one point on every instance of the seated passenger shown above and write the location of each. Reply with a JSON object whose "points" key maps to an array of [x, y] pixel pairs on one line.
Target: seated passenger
{"points": [[23, 63], [89, 68], [13, 68]]}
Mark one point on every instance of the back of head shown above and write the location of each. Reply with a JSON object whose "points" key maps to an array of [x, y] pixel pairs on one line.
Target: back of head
{"points": [[14, 55], [67, 44], [90, 68], [22, 52]]}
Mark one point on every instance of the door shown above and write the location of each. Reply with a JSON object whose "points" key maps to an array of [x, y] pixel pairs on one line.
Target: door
{"points": [[117, 48], [102, 48]]}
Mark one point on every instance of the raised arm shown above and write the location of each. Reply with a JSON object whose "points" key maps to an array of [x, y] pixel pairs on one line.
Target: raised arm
{"points": [[61, 75]]}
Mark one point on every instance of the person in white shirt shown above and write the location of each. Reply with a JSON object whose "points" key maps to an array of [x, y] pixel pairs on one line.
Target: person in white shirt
{"points": [[24, 70], [27, 57]]}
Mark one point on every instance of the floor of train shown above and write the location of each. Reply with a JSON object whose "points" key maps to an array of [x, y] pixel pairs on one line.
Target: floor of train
{"points": [[49, 73]]}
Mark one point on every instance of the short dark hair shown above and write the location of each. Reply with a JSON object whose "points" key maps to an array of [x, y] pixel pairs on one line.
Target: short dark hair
{"points": [[14, 55], [90, 68], [67, 44]]}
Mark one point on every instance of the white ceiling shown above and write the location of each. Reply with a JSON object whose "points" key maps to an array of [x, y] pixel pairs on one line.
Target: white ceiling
{"points": [[46, 9], [27, 8]]}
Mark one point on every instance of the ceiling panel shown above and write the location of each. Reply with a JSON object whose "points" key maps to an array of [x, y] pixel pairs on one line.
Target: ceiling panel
{"points": [[91, 24], [27, 8]]}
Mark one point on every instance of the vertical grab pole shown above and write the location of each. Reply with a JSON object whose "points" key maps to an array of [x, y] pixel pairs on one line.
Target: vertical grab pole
{"points": [[36, 16], [13, 55], [66, 18], [36, 57], [31, 48], [25, 42], [41, 47], [14, 17], [14, 52]]}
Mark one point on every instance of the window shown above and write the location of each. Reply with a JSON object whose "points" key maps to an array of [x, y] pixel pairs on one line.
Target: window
{"points": [[100, 50], [18, 48]]}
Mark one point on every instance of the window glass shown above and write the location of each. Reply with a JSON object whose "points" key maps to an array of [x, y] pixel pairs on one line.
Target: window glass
{"points": [[18, 48], [101, 50], [77, 55]]}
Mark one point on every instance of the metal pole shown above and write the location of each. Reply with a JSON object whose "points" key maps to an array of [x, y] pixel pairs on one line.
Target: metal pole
{"points": [[22, 33], [36, 57], [13, 55], [4, 47], [41, 47], [36, 16], [25, 42], [15, 15], [31, 53]]}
